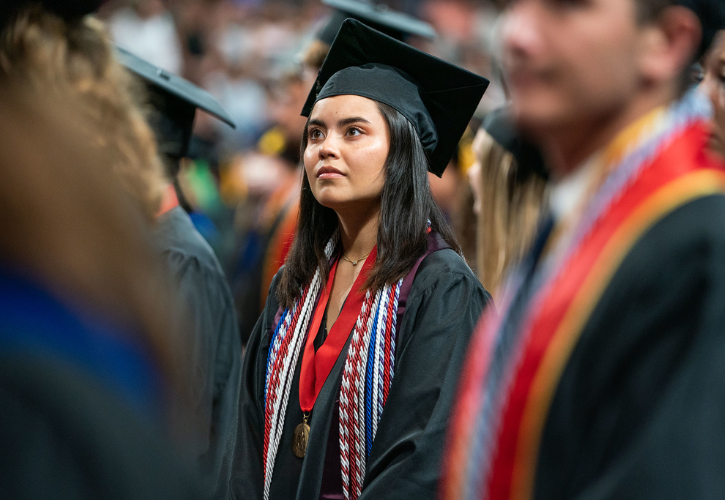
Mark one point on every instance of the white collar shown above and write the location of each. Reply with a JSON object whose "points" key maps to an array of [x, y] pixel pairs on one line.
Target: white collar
{"points": [[567, 193]]}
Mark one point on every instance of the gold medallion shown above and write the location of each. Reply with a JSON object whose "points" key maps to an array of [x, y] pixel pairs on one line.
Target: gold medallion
{"points": [[301, 437]]}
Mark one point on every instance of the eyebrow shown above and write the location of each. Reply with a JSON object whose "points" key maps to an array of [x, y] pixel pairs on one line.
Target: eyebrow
{"points": [[340, 123]]}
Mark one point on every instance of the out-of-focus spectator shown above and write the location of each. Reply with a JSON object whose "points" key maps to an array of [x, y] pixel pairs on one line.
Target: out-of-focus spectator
{"points": [[267, 236], [209, 321], [88, 370], [508, 182]]}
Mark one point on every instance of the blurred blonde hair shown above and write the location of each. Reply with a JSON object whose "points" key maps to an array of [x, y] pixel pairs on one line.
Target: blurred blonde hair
{"points": [[314, 54], [76, 58], [509, 214]]}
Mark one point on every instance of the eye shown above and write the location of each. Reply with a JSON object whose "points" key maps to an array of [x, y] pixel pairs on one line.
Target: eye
{"points": [[314, 134], [354, 131], [697, 73]]}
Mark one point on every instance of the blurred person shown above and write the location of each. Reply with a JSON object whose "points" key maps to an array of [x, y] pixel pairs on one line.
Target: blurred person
{"points": [[602, 375], [367, 221], [265, 243], [147, 28], [378, 16], [88, 371], [464, 219], [198, 276], [452, 194], [713, 85], [508, 179]]}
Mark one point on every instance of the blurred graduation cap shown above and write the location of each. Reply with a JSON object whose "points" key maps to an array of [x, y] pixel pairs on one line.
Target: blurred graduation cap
{"points": [[378, 16], [67, 9], [500, 126], [437, 98], [175, 101], [712, 19]]}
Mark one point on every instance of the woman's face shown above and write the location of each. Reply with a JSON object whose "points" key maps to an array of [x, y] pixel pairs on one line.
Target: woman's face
{"points": [[347, 144], [713, 85], [474, 172]]}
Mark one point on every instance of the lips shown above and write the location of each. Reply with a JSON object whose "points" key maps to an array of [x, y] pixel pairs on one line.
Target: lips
{"points": [[327, 172]]}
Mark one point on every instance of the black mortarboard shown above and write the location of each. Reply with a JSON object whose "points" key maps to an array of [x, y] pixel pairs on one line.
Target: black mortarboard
{"points": [[174, 100], [438, 98], [500, 126], [67, 9], [377, 16], [712, 19]]}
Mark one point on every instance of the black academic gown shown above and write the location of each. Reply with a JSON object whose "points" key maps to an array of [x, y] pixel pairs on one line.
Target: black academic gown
{"points": [[210, 318], [67, 435], [640, 409], [443, 306]]}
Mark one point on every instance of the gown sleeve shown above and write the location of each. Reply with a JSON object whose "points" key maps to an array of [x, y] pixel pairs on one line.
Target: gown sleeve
{"points": [[640, 408], [247, 466], [443, 308]]}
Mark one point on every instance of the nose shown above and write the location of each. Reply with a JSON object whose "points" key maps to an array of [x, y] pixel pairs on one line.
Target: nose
{"points": [[520, 32], [329, 148]]}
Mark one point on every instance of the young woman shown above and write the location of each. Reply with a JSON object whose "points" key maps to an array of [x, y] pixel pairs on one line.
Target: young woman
{"points": [[350, 371], [713, 84]]}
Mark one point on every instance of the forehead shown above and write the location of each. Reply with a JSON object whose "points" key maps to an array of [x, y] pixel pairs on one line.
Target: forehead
{"points": [[573, 9], [344, 106]]}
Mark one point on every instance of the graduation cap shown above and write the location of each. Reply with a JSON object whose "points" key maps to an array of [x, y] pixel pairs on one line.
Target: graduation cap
{"points": [[437, 98], [500, 126], [711, 14], [174, 100], [377, 16], [67, 9]]}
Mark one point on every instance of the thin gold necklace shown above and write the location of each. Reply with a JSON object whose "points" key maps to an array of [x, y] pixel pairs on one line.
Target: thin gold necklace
{"points": [[356, 262]]}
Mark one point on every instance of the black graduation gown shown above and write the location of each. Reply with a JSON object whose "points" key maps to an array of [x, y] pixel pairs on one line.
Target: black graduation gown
{"points": [[65, 435], [640, 409], [443, 306], [215, 347]]}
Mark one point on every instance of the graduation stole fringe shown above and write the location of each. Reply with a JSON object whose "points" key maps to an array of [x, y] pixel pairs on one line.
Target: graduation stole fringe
{"points": [[511, 374], [367, 376]]}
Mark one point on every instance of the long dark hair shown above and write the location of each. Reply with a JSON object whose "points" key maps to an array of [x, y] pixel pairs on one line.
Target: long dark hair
{"points": [[406, 207]]}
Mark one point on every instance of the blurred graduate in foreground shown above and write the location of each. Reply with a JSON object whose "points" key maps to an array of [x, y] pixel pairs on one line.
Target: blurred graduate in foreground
{"points": [[88, 371], [603, 375]]}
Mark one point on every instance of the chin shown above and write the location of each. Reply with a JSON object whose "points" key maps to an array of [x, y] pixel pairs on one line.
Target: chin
{"points": [[328, 200], [532, 121]]}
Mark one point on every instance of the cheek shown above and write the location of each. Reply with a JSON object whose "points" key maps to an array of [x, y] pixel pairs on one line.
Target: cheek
{"points": [[369, 163], [309, 159]]}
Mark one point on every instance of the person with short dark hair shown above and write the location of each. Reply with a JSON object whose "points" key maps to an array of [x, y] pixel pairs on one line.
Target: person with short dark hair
{"points": [[206, 320], [349, 373], [603, 375]]}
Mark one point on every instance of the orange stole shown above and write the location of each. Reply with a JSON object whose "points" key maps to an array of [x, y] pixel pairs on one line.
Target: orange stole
{"points": [[559, 312]]}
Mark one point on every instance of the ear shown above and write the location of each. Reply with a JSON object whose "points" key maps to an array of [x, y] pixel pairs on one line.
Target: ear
{"points": [[669, 44]]}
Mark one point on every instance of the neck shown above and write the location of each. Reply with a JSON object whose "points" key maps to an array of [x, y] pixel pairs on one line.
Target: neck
{"points": [[567, 149], [359, 231]]}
